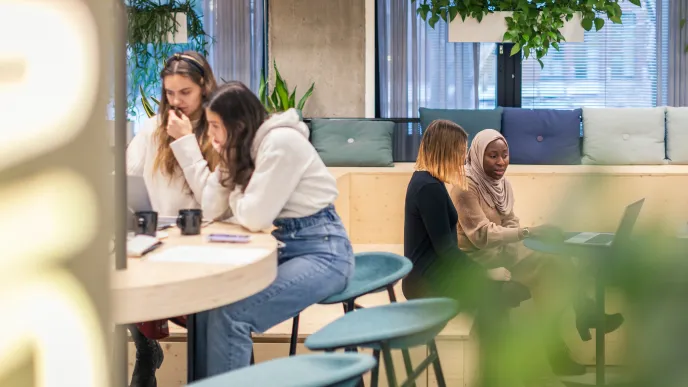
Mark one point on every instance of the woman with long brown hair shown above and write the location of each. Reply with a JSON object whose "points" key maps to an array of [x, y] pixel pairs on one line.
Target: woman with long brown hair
{"points": [[175, 156], [271, 176]]}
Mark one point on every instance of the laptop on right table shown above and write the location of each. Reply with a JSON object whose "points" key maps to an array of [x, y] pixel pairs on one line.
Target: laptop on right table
{"points": [[607, 239]]}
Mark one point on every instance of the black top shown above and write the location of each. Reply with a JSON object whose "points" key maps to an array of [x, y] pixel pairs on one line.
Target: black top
{"points": [[430, 240]]}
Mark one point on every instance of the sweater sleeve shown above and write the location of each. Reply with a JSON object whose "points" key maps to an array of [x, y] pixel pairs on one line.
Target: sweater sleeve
{"points": [[195, 168], [482, 233], [137, 148], [437, 222], [281, 161], [215, 203]]}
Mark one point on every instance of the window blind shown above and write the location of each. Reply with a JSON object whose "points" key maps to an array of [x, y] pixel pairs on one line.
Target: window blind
{"points": [[618, 66]]}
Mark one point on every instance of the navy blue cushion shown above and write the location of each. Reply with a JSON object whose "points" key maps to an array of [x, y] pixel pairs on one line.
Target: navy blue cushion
{"points": [[542, 136], [472, 121]]}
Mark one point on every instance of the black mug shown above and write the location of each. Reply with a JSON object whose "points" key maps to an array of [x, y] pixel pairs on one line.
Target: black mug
{"points": [[146, 223], [189, 221]]}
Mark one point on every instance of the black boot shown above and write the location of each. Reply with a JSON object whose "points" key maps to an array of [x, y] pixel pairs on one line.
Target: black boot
{"points": [[586, 319], [560, 360], [149, 358]]}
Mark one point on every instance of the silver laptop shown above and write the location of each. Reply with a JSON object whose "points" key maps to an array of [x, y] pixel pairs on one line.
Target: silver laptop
{"points": [[607, 239], [139, 200]]}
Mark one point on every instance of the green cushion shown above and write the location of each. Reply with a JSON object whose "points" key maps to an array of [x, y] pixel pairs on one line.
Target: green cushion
{"points": [[352, 143], [472, 121]]}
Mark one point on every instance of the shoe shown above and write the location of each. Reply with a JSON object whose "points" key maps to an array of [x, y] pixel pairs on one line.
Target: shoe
{"points": [[584, 324], [560, 360], [149, 358]]}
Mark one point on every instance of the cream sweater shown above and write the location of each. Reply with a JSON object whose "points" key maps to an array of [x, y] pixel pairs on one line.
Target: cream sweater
{"points": [[290, 180], [168, 194]]}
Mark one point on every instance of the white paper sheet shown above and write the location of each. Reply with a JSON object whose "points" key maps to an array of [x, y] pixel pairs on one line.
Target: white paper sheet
{"points": [[210, 254]]}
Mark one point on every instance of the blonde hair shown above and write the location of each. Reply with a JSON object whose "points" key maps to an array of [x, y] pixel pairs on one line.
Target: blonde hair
{"points": [[443, 151]]}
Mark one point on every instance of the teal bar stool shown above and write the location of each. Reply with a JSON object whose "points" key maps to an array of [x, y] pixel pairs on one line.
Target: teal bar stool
{"points": [[317, 370], [374, 272], [394, 326]]}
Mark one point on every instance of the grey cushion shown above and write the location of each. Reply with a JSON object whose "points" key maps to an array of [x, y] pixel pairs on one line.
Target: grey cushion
{"points": [[677, 134], [352, 143], [623, 136]]}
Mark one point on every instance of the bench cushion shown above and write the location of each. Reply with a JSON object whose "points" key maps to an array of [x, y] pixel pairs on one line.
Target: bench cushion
{"points": [[353, 143], [542, 136], [472, 121], [677, 134], [623, 136]]}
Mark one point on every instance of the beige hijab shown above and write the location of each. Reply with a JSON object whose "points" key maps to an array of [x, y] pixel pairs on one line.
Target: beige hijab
{"points": [[496, 193]]}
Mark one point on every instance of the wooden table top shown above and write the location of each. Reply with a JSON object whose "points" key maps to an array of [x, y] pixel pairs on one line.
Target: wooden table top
{"points": [[149, 290]]}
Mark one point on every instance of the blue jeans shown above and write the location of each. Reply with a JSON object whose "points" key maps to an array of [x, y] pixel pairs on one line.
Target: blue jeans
{"points": [[316, 261]]}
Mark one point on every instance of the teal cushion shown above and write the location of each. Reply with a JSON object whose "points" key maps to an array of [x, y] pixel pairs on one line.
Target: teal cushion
{"points": [[352, 143], [472, 121]]}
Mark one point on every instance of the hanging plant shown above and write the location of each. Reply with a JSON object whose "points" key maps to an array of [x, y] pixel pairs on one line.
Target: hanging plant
{"points": [[534, 26], [150, 26]]}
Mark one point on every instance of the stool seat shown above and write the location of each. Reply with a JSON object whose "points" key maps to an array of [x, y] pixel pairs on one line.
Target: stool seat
{"points": [[317, 370], [401, 325], [374, 272]]}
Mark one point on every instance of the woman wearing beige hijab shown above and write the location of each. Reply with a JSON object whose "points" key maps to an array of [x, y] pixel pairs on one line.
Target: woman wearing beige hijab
{"points": [[491, 234]]}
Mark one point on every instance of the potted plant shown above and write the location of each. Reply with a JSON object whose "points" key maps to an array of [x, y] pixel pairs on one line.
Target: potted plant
{"points": [[532, 26], [281, 99], [156, 31]]}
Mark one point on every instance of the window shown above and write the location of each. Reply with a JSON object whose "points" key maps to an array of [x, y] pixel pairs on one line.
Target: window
{"points": [[418, 67], [620, 66]]}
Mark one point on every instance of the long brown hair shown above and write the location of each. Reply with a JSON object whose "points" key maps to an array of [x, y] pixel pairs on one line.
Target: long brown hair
{"points": [[242, 114], [442, 152], [194, 66]]}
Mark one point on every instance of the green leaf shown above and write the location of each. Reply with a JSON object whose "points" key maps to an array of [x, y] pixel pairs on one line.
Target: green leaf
{"points": [[515, 49], [305, 97], [616, 19], [599, 23], [682, 23], [433, 20], [453, 11], [635, 2], [586, 24], [157, 102], [263, 90], [282, 92], [555, 45], [542, 64], [292, 99]]}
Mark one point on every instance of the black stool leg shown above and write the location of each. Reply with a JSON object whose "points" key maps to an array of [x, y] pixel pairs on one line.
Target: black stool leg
{"points": [[436, 364], [404, 352], [294, 335], [389, 366], [253, 360], [375, 374]]}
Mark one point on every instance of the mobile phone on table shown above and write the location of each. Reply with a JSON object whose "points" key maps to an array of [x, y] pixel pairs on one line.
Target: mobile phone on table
{"points": [[229, 238]]}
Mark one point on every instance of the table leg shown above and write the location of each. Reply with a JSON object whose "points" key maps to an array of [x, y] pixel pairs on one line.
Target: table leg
{"points": [[196, 339], [190, 348], [600, 329]]}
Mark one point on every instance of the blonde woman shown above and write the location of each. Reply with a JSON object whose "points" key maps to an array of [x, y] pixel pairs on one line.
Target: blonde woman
{"points": [[439, 267]]}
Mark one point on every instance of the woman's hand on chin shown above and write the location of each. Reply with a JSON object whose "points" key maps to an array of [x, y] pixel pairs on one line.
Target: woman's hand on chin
{"points": [[178, 127], [499, 274]]}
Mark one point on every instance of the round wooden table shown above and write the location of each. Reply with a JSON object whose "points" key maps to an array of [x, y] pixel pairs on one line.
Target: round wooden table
{"points": [[149, 289]]}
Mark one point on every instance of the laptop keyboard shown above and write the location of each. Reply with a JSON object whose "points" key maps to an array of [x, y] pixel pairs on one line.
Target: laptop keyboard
{"points": [[601, 239]]}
